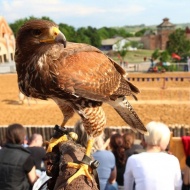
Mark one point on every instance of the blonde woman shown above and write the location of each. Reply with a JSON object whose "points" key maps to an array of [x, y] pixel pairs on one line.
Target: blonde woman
{"points": [[154, 169], [107, 171]]}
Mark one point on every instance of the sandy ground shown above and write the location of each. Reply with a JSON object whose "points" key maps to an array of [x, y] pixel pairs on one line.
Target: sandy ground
{"points": [[166, 99]]}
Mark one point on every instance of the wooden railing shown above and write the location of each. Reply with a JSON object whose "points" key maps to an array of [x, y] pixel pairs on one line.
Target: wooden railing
{"points": [[47, 131]]}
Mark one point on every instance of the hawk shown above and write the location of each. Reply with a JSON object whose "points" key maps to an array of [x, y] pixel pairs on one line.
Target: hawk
{"points": [[77, 76]]}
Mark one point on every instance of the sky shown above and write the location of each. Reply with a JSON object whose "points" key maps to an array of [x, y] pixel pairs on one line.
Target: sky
{"points": [[98, 13]]}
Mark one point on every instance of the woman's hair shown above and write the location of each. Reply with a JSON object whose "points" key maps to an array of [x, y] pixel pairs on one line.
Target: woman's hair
{"points": [[15, 134], [128, 139], [159, 135], [116, 140], [82, 135], [116, 144]]}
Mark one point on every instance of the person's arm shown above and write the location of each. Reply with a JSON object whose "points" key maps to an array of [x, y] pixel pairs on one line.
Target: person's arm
{"points": [[186, 176], [113, 176], [32, 175]]}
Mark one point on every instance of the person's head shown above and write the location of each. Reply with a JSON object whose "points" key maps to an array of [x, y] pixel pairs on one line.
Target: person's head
{"points": [[116, 141], [15, 134], [159, 135], [82, 135], [128, 139], [36, 140]]}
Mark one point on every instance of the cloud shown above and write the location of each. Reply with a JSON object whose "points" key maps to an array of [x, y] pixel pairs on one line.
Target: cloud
{"points": [[97, 13], [62, 8]]}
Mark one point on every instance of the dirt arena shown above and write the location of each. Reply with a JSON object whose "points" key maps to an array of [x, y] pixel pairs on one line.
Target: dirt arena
{"points": [[164, 98]]}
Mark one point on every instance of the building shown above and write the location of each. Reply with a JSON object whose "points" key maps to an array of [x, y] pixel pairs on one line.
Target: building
{"points": [[113, 44], [117, 43], [158, 40], [7, 42]]}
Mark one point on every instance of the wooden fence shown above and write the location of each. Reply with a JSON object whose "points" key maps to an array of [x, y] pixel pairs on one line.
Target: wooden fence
{"points": [[47, 131]]}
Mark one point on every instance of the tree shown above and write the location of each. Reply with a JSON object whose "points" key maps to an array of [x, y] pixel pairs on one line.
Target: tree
{"points": [[93, 35], [81, 37], [103, 33], [142, 31], [178, 43], [164, 56], [68, 31], [155, 54]]}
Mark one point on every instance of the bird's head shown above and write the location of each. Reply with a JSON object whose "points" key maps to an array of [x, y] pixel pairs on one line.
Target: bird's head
{"points": [[34, 33]]}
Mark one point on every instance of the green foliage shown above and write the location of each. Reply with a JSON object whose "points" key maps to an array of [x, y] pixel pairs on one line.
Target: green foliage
{"points": [[104, 33], [156, 54], [68, 31], [178, 43], [164, 56], [93, 35], [81, 37], [141, 32], [122, 32]]}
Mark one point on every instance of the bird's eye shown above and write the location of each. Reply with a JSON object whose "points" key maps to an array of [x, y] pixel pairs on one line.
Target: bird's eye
{"points": [[36, 32]]}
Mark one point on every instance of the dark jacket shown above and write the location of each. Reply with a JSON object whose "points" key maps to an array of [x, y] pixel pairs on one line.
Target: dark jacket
{"points": [[12, 173]]}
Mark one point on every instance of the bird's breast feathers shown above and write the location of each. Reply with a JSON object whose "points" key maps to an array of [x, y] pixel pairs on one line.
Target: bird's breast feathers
{"points": [[78, 72]]}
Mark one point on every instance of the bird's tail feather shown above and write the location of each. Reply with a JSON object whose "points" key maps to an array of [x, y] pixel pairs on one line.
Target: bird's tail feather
{"points": [[126, 111], [133, 87]]}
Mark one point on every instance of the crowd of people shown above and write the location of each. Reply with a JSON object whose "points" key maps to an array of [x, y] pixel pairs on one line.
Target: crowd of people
{"points": [[125, 164]]}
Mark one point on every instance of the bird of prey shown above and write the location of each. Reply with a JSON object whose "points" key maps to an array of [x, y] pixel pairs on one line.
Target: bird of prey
{"points": [[78, 77]]}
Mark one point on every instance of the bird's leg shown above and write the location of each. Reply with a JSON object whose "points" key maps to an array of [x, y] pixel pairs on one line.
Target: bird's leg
{"points": [[67, 111], [93, 124], [89, 147]]}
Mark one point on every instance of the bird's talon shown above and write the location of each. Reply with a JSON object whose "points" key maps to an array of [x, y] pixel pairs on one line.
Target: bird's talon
{"points": [[54, 141], [84, 169]]}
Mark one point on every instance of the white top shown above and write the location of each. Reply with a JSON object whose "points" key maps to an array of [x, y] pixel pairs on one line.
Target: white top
{"points": [[152, 171]]}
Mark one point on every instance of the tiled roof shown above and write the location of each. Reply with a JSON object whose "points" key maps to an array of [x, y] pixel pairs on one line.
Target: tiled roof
{"points": [[111, 41], [165, 23]]}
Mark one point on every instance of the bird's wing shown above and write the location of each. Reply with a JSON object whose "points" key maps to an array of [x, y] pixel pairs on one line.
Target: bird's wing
{"points": [[85, 71], [126, 111]]}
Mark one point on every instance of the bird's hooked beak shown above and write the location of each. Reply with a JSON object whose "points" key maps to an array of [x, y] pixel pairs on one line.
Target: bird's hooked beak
{"points": [[55, 36], [60, 38]]}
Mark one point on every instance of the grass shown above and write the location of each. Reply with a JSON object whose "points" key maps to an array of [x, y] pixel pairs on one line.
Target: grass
{"points": [[135, 56]]}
